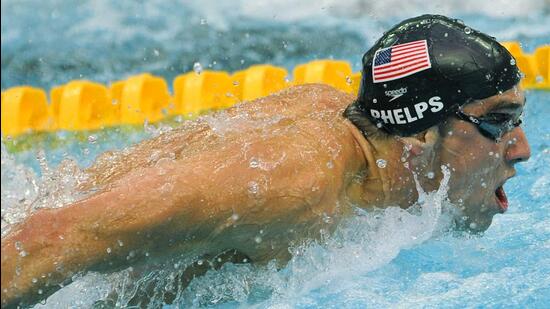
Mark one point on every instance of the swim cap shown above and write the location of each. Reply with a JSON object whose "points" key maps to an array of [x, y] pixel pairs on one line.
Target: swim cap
{"points": [[424, 68]]}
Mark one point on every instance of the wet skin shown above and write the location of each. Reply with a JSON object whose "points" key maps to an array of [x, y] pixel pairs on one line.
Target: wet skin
{"points": [[262, 177], [481, 165]]}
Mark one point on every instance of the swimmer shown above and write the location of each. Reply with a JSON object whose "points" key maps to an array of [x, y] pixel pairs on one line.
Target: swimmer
{"points": [[434, 93]]}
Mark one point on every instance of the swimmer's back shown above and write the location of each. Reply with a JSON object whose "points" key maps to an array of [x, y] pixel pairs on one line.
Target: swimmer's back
{"points": [[313, 109], [301, 102]]}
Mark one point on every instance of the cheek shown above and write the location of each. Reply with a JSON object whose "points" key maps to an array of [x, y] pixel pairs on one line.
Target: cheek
{"points": [[473, 160], [467, 150]]}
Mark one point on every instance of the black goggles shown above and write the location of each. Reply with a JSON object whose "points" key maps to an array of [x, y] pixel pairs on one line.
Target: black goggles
{"points": [[491, 127]]}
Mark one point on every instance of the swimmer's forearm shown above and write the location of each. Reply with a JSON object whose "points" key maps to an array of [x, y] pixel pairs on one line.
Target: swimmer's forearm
{"points": [[46, 250], [37, 257], [107, 231]]}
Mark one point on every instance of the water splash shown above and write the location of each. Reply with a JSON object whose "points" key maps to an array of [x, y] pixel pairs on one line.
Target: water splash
{"points": [[223, 123], [197, 67], [19, 190], [24, 192]]}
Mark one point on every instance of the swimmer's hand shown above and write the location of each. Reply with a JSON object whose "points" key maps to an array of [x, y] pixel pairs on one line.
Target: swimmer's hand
{"points": [[199, 205]]}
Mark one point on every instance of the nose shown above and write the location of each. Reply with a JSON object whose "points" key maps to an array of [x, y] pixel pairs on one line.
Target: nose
{"points": [[518, 149]]}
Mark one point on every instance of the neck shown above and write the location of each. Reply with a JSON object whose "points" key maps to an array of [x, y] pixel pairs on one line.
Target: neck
{"points": [[387, 181]]}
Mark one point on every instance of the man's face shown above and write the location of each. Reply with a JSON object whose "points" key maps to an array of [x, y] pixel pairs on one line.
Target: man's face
{"points": [[480, 165]]}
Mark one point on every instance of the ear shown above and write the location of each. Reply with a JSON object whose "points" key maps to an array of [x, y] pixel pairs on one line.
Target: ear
{"points": [[422, 142], [422, 146]]}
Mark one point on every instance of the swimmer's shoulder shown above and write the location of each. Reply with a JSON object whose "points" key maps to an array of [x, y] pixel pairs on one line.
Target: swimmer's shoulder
{"points": [[316, 107], [302, 101], [319, 97]]}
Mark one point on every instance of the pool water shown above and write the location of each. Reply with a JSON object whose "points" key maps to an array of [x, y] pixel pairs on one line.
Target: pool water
{"points": [[391, 258]]}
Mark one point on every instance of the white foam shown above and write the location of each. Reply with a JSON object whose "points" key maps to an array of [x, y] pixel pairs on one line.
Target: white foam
{"points": [[19, 190], [83, 292], [23, 191]]}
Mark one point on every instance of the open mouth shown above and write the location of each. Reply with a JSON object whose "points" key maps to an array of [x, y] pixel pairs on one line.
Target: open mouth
{"points": [[502, 200]]}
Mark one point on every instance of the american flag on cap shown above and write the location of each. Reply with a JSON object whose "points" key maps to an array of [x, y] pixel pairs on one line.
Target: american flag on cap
{"points": [[400, 60]]}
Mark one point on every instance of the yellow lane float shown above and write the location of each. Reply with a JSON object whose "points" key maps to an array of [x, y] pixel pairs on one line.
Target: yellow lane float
{"points": [[87, 105]]}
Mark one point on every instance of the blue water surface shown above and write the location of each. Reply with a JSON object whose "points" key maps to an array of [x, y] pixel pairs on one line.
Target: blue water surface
{"points": [[46, 43]]}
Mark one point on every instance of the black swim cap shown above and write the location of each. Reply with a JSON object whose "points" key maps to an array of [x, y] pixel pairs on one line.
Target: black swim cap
{"points": [[425, 67]]}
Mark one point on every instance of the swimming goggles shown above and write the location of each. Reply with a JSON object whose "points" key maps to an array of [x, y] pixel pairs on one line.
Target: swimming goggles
{"points": [[493, 127]]}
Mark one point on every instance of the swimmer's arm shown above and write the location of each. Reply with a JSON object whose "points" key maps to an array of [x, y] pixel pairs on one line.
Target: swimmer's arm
{"points": [[52, 245], [152, 210], [142, 213]]}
